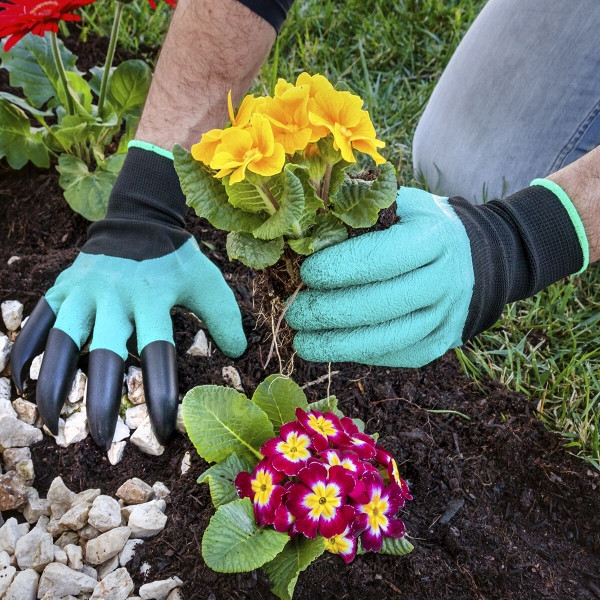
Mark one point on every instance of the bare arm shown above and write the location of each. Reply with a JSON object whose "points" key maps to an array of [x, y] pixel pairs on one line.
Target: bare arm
{"points": [[211, 48], [581, 181]]}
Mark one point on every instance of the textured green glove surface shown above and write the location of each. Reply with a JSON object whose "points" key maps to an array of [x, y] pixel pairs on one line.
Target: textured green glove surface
{"points": [[108, 295], [398, 297]]}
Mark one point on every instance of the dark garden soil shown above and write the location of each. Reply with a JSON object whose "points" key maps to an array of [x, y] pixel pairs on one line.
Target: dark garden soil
{"points": [[501, 511]]}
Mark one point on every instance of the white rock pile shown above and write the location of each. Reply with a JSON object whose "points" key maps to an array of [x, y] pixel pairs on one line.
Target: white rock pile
{"points": [[78, 545]]}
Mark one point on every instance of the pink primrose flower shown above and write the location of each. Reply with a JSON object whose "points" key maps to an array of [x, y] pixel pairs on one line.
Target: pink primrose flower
{"points": [[343, 544], [322, 428], [318, 500], [361, 443], [387, 460], [291, 450]]}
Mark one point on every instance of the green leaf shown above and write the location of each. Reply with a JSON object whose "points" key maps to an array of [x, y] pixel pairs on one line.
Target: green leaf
{"points": [[114, 163], [396, 546], [80, 92], [221, 477], [328, 404], [31, 66], [96, 80], [87, 193], [17, 141], [338, 176], [220, 421], [21, 103], [247, 196], [312, 202], [358, 202], [327, 232], [131, 124], [289, 193], [206, 195], [254, 253], [234, 543], [73, 129], [284, 569], [128, 87], [279, 397]]}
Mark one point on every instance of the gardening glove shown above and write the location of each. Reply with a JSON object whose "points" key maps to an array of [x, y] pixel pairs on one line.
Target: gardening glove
{"points": [[137, 263], [403, 296]]}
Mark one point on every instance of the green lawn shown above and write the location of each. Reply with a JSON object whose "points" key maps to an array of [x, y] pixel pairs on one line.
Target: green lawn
{"points": [[392, 53]]}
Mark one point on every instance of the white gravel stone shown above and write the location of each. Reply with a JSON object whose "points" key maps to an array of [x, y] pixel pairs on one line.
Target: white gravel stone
{"points": [[13, 259], [89, 532], [146, 521], [145, 440], [75, 518], [232, 377], [66, 538], [13, 491], [106, 545], [60, 497], [86, 497], [5, 348], [62, 581], [159, 504], [114, 586], [60, 438], [26, 411], [60, 555], [15, 433], [36, 549], [176, 595], [4, 389], [128, 551], [5, 559], [24, 321], [135, 491], [74, 556], [6, 578], [9, 535], [24, 586], [161, 491], [105, 514], [135, 415], [180, 425], [135, 386], [159, 590], [36, 507], [6, 408], [145, 569], [200, 346], [108, 567], [121, 431], [76, 427], [186, 463], [25, 470], [115, 453], [13, 456], [12, 314], [36, 365], [77, 392], [90, 571]]}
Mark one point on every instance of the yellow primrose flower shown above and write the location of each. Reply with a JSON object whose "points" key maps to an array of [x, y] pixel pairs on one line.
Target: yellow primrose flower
{"points": [[288, 115], [205, 149], [342, 115], [316, 83], [252, 147], [247, 107]]}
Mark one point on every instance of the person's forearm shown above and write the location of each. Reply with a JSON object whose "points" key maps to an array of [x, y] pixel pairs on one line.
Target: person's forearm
{"points": [[581, 181], [211, 48]]}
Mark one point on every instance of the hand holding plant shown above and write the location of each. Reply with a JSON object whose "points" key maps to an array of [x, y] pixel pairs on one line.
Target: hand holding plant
{"points": [[279, 174], [74, 127]]}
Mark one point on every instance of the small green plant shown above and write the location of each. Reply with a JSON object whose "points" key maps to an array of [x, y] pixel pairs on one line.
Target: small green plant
{"points": [[76, 118], [279, 175], [291, 481]]}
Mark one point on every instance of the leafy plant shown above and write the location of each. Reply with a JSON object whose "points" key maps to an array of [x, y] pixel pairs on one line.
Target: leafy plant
{"points": [[279, 174], [76, 116], [291, 481]]}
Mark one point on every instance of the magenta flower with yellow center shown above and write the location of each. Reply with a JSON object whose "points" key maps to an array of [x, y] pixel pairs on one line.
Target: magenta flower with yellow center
{"points": [[343, 544], [291, 450], [342, 115], [252, 147]]}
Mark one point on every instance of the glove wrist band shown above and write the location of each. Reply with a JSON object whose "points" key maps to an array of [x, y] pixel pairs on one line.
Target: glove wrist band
{"points": [[519, 246]]}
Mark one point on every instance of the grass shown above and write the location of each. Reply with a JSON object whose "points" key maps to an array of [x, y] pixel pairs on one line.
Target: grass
{"points": [[391, 54]]}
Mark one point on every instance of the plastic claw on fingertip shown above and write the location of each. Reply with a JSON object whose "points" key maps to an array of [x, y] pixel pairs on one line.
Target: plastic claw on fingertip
{"points": [[31, 341], [159, 369], [56, 377], [105, 386]]}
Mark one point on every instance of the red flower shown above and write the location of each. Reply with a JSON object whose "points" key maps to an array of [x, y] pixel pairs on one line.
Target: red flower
{"points": [[20, 17], [172, 3]]}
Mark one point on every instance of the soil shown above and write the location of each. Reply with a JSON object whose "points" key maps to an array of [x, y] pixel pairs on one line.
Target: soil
{"points": [[501, 510]]}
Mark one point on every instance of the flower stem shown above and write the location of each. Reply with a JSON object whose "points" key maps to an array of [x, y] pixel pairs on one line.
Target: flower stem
{"points": [[326, 183], [60, 67], [265, 188], [114, 34]]}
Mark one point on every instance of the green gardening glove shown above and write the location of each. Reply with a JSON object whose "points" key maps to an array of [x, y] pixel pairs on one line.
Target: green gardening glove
{"points": [[136, 265], [403, 296]]}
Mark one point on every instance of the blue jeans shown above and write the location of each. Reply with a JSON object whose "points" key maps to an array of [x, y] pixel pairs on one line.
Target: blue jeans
{"points": [[519, 99]]}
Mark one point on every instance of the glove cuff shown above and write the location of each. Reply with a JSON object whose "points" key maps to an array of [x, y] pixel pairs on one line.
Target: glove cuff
{"points": [[519, 246], [146, 210]]}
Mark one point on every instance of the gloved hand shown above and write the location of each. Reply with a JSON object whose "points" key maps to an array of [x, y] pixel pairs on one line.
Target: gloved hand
{"points": [[137, 263], [403, 296]]}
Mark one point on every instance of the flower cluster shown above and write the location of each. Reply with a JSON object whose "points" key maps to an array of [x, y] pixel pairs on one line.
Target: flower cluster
{"points": [[295, 119], [323, 476]]}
